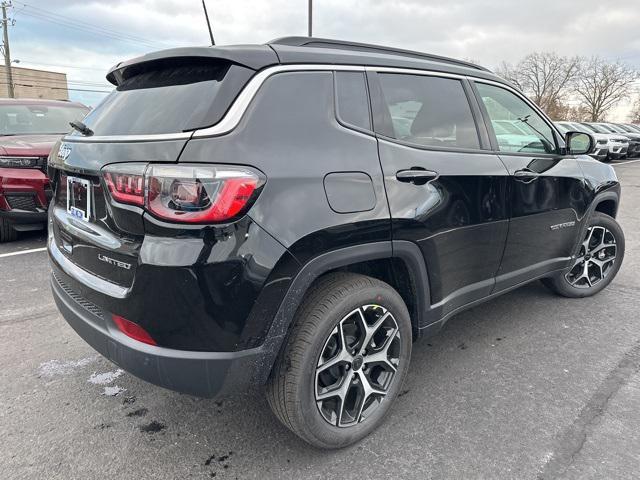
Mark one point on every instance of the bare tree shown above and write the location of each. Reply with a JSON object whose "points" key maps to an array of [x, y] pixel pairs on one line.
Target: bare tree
{"points": [[546, 77], [601, 85], [634, 117]]}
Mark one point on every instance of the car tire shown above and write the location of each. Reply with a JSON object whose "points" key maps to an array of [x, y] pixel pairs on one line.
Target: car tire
{"points": [[330, 324], [595, 264], [7, 232]]}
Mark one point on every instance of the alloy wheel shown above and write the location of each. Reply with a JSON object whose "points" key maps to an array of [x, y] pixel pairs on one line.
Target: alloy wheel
{"points": [[357, 365], [594, 260]]}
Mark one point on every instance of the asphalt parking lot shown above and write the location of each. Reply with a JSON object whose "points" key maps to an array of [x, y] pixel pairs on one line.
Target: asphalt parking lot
{"points": [[529, 385]]}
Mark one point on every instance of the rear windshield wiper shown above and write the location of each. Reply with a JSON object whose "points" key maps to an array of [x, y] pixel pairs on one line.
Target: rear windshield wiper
{"points": [[82, 128]]}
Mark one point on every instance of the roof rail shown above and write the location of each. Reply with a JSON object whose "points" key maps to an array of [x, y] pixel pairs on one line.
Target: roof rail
{"points": [[366, 47]]}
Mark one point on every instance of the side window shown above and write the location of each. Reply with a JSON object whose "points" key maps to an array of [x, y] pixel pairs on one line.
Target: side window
{"points": [[431, 111], [352, 102], [517, 126]]}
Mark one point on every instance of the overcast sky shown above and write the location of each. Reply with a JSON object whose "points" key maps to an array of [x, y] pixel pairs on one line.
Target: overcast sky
{"points": [[84, 38]]}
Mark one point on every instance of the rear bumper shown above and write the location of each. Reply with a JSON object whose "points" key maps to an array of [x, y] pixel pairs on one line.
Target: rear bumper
{"points": [[204, 374]]}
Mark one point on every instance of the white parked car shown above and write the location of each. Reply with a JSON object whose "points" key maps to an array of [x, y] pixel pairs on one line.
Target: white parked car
{"points": [[603, 141], [618, 143]]}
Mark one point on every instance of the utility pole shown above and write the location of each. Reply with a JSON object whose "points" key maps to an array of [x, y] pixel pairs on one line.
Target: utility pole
{"points": [[310, 18], [7, 53]]}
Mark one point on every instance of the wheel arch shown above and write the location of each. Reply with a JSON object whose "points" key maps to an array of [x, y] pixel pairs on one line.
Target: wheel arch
{"points": [[607, 205], [605, 202], [382, 260]]}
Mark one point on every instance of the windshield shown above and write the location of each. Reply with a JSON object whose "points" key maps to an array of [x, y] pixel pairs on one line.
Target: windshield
{"points": [[593, 128], [38, 119], [606, 128], [578, 126]]}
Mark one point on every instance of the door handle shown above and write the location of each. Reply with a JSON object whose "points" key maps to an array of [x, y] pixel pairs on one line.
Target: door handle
{"points": [[417, 176], [525, 175]]}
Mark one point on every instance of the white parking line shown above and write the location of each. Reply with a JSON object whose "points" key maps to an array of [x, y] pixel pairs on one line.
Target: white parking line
{"points": [[621, 164], [22, 252]]}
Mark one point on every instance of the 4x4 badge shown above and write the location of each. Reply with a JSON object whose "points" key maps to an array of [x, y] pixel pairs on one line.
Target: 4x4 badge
{"points": [[64, 151]]}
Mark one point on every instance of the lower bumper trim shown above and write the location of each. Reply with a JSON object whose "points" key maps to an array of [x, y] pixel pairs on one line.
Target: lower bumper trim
{"points": [[203, 374]]}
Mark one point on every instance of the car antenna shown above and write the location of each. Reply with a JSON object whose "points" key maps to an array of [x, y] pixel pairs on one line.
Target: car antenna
{"points": [[206, 16]]}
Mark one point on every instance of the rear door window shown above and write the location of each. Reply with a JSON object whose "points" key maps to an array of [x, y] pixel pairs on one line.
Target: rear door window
{"points": [[168, 97], [430, 111]]}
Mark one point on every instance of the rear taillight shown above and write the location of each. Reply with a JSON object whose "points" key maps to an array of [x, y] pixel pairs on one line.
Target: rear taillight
{"points": [[126, 188], [188, 193], [133, 330]]}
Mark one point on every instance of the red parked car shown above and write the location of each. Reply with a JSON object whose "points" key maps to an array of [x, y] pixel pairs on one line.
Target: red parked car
{"points": [[28, 130]]}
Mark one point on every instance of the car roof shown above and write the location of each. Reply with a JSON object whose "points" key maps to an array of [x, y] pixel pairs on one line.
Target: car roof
{"points": [[40, 101], [312, 50]]}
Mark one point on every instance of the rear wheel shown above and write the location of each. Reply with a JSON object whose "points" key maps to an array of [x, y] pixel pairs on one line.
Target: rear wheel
{"points": [[7, 232], [596, 263], [344, 362]]}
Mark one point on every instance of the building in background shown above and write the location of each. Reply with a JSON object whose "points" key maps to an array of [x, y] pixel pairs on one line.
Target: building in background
{"points": [[32, 83]]}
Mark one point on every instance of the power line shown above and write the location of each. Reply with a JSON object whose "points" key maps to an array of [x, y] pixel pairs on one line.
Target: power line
{"points": [[46, 15], [21, 76], [57, 88], [61, 66]]}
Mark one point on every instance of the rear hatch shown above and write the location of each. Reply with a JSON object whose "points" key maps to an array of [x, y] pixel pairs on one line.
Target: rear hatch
{"points": [[149, 117]]}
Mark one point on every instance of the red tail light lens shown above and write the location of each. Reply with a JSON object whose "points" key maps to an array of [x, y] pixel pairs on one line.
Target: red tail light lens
{"points": [[133, 330], [126, 188], [187, 193], [198, 194]]}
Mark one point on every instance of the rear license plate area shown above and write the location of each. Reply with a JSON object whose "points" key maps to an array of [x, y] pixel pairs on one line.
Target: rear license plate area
{"points": [[79, 198]]}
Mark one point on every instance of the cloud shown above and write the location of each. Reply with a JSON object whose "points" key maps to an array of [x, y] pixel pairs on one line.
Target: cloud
{"points": [[488, 31]]}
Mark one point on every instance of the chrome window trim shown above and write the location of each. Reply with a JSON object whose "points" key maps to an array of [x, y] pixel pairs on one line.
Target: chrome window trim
{"points": [[153, 137], [240, 105]]}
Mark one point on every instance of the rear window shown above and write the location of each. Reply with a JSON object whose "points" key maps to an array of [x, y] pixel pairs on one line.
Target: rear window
{"points": [[168, 97]]}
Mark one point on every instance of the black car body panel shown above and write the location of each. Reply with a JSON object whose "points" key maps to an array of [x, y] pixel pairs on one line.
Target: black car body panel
{"points": [[448, 225]]}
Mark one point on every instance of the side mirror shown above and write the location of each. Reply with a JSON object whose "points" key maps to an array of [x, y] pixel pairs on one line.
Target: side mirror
{"points": [[579, 143]]}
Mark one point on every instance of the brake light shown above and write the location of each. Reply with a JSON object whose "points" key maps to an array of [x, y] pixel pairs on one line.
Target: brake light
{"points": [[126, 188], [187, 193], [133, 330]]}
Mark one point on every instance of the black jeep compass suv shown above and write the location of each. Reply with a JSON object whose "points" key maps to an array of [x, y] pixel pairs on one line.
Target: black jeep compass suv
{"points": [[294, 215]]}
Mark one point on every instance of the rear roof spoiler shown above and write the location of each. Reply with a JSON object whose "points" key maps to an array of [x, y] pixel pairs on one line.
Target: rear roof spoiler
{"points": [[254, 57]]}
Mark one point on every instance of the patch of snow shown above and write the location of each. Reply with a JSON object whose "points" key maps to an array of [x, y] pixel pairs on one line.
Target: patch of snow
{"points": [[113, 391], [105, 378], [54, 368]]}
